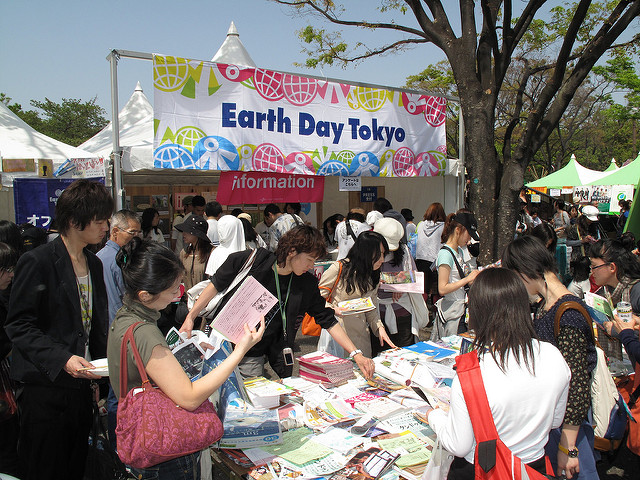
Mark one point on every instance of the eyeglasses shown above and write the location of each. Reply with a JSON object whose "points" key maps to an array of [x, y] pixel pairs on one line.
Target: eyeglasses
{"points": [[598, 266], [8, 269], [135, 233]]}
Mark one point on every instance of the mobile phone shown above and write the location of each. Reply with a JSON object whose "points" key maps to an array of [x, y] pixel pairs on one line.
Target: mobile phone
{"points": [[287, 353]]}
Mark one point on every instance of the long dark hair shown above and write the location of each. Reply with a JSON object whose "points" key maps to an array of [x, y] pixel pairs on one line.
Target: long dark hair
{"points": [[8, 256], [500, 317], [250, 234], [147, 220], [528, 256], [357, 270], [333, 220], [10, 234], [148, 266], [547, 235], [615, 251]]}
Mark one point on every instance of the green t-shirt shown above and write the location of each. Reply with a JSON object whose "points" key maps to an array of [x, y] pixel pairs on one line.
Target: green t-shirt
{"points": [[147, 336]]}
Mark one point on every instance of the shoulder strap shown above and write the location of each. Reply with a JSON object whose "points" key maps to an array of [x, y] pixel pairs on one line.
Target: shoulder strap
{"points": [[572, 305], [295, 219], [455, 259], [129, 338], [336, 282], [475, 396], [350, 230]]}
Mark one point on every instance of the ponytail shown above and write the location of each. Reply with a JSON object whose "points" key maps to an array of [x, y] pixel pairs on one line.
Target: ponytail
{"points": [[450, 226]]}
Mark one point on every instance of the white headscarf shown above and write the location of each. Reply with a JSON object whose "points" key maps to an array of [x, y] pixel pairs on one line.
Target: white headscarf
{"points": [[231, 237]]}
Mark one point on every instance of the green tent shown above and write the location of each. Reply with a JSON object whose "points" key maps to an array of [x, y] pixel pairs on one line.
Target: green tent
{"points": [[627, 175], [612, 166], [571, 175]]}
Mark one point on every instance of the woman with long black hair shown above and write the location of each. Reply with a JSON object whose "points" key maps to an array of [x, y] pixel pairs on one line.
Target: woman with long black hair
{"points": [[356, 276], [149, 224], [526, 380], [528, 257]]}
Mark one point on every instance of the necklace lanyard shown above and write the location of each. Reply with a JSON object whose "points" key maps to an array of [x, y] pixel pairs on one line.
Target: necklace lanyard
{"points": [[283, 312]]}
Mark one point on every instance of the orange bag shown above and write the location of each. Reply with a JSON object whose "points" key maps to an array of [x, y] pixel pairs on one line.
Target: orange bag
{"points": [[309, 325]]}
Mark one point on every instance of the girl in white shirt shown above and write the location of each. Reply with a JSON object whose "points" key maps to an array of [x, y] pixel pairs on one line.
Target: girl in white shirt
{"points": [[527, 381]]}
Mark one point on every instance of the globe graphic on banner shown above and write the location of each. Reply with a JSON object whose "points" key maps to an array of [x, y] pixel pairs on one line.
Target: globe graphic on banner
{"points": [[268, 84], [435, 112], [268, 158], [299, 163], [333, 168], [216, 153], [172, 156], [429, 165], [371, 99], [364, 164], [299, 90], [170, 75], [345, 157], [188, 137], [403, 162]]}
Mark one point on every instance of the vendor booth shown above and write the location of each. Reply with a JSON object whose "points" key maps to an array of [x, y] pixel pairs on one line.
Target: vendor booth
{"points": [[410, 177]]}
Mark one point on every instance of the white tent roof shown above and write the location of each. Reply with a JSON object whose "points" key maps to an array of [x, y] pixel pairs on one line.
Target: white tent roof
{"points": [[232, 50], [136, 126], [18, 140], [136, 117]]}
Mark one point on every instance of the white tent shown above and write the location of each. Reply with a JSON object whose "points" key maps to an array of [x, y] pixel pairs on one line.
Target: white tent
{"points": [[136, 117], [136, 134], [19, 141]]}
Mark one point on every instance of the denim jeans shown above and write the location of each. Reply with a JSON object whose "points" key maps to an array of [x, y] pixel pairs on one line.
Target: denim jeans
{"points": [[181, 468]]}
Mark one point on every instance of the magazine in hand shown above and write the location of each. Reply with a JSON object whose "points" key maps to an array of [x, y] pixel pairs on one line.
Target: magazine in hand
{"points": [[601, 308], [403, 276], [247, 305], [356, 305]]}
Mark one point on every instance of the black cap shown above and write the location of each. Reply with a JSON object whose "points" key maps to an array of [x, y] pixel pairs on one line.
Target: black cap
{"points": [[407, 214], [195, 225], [468, 221]]}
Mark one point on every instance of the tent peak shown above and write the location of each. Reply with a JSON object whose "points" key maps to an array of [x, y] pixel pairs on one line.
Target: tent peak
{"points": [[232, 29], [138, 87], [232, 50]]}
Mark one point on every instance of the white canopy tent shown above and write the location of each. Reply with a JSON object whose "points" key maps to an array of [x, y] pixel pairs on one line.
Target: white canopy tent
{"points": [[136, 134], [20, 141]]}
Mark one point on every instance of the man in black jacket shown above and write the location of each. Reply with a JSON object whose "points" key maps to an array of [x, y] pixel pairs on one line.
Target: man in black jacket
{"points": [[57, 321]]}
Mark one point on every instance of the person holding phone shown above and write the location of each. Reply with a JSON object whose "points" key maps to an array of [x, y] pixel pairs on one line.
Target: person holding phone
{"points": [[285, 274]]}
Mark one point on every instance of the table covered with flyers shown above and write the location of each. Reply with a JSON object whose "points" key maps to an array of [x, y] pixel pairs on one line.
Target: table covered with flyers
{"points": [[332, 423]]}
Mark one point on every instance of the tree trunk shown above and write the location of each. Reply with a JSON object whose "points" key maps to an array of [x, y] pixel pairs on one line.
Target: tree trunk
{"points": [[508, 205], [482, 170]]}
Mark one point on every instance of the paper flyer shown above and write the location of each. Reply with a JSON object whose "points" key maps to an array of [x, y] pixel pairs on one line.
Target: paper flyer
{"points": [[247, 305]]}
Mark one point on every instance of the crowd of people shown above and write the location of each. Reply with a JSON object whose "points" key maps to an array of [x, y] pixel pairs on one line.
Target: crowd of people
{"points": [[66, 302]]}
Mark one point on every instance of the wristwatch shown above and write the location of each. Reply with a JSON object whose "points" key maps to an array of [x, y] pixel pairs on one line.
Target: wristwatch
{"points": [[354, 353], [573, 453]]}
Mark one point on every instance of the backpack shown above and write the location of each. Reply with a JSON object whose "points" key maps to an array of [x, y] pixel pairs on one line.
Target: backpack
{"points": [[493, 459], [607, 405]]}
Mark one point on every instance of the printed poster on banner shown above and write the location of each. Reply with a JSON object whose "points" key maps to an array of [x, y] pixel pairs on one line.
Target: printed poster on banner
{"points": [[601, 194], [214, 116], [620, 192], [88, 167], [581, 194]]}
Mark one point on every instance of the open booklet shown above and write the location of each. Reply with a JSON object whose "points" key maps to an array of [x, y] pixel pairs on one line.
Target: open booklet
{"points": [[601, 308], [187, 351], [356, 305], [249, 304]]}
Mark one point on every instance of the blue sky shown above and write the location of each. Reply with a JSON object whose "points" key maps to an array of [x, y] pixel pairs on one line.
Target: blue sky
{"points": [[57, 49]]}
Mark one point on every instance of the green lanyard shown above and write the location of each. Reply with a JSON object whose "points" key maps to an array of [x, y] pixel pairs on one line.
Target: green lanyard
{"points": [[283, 312]]}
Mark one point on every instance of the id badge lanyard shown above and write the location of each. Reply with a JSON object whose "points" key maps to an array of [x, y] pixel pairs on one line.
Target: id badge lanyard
{"points": [[283, 310]]}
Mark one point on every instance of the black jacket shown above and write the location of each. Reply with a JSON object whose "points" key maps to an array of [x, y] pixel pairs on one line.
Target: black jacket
{"points": [[44, 320]]}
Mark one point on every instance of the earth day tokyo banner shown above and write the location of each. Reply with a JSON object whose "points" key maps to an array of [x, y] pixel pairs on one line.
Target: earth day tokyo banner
{"points": [[213, 116]]}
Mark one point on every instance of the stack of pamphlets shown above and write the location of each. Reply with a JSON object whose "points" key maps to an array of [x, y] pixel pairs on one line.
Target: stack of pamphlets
{"points": [[265, 393], [321, 367]]}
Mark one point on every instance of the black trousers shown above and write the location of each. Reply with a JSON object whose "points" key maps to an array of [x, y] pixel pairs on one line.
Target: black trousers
{"points": [[463, 470], [54, 431]]}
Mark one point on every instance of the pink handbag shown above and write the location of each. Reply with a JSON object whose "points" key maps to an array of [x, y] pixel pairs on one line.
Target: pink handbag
{"points": [[151, 428]]}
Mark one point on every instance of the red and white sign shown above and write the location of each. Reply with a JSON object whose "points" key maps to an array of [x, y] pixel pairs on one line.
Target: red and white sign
{"points": [[236, 188]]}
